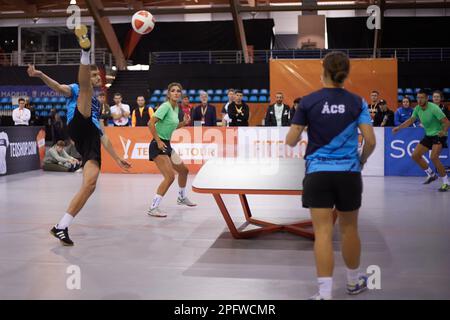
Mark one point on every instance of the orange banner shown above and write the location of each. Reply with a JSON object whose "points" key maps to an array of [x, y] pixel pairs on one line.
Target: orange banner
{"points": [[297, 78], [195, 145]]}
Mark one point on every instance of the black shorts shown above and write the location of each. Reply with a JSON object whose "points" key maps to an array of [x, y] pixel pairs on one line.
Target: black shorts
{"points": [[428, 141], [86, 137], [340, 190], [154, 151]]}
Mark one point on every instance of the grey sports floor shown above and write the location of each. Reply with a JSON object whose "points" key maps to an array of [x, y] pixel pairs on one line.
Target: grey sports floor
{"points": [[124, 254]]}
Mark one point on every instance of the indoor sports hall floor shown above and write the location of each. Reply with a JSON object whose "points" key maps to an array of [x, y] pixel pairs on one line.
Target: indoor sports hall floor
{"points": [[125, 254]]}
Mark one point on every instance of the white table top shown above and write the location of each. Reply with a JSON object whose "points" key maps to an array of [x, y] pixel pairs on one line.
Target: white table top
{"points": [[251, 174]]}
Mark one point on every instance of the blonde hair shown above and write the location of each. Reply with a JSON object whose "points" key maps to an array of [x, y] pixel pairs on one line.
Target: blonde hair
{"points": [[170, 86]]}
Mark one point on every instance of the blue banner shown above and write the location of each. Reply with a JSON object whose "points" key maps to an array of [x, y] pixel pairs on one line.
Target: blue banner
{"points": [[398, 151], [28, 91]]}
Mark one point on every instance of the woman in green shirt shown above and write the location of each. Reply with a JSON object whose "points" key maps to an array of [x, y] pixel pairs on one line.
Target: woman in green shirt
{"points": [[162, 125]]}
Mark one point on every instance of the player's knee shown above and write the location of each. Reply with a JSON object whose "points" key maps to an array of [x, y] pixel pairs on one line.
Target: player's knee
{"points": [[416, 157], [434, 157], [184, 170], [170, 178], [90, 185]]}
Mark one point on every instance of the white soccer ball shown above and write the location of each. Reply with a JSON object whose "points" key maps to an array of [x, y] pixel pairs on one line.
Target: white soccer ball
{"points": [[143, 22]]}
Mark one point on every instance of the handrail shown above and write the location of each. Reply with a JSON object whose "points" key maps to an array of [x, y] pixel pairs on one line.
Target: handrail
{"points": [[103, 56]]}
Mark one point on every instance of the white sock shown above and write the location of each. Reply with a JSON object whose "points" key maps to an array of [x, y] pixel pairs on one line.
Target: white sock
{"points": [[352, 276], [85, 57], [156, 201], [445, 179], [325, 287], [65, 222], [429, 172], [182, 193]]}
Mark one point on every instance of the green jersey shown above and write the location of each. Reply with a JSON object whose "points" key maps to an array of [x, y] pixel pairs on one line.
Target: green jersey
{"points": [[430, 118], [168, 120]]}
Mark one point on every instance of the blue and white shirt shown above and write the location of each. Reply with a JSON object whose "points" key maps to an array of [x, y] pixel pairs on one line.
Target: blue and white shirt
{"points": [[332, 116], [71, 104]]}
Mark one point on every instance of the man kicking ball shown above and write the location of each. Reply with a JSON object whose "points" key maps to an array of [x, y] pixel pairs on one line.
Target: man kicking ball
{"points": [[436, 127], [83, 114]]}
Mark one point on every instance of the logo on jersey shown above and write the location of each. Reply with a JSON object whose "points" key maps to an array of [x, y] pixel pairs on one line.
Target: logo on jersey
{"points": [[333, 109]]}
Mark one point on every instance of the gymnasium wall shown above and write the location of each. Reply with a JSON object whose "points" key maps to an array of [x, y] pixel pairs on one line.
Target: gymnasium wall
{"points": [[296, 78]]}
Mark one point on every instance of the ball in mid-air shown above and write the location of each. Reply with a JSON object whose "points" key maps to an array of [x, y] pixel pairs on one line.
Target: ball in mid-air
{"points": [[143, 22]]}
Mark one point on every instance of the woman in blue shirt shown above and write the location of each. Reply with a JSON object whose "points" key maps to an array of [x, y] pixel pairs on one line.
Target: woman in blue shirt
{"points": [[333, 180]]}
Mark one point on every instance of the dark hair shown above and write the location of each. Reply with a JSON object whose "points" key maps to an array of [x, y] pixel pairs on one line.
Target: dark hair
{"points": [[140, 96], [297, 100], [61, 143], [337, 66], [117, 94], [421, 91], [238, 91], [102, 94], [184, 96], [407, 98], [375, 91], [21, 99], [440, 93]]}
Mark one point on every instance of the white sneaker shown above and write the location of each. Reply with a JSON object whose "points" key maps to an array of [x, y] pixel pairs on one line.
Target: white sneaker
{"points": [[317, 296], [186, 202], [156, 212]]}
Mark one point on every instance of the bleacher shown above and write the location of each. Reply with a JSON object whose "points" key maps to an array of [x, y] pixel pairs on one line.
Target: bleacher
{"points": [[412, 92], [43, 105], [217, 96]]}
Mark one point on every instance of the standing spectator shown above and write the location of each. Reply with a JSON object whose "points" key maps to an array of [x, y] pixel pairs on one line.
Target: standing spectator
{"points": [[404, 112], [238, 111], [57, 159], [277, 114], [384, 117], [438, 99], [186, 107], [142, 114], [294, 108], [105, 110], [205, 112], [120, 111], [374, 106], [225, 118], [21, 115], [58, 129]]}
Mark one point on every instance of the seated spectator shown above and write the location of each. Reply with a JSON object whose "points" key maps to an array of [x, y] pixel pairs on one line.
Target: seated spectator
{"points": [[438, 99], [294, 108], [238, 111], [72, 150], [205, 113], [278, 114], [404, 112], [120, 111], [383, 117], [57, 159], [21, 115], [142, 114], [105, 110], [186, 107], [225, 118]]}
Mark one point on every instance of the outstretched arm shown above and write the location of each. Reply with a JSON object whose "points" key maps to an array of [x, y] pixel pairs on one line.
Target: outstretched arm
{"points": [[61, 88], [405, 124], [124, 164]]}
